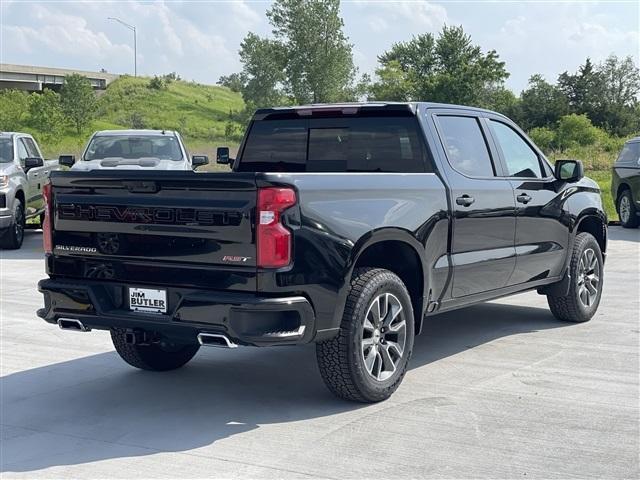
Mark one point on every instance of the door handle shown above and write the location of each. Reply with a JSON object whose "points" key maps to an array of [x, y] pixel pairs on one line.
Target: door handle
{"points": [[465, 200], [523, 198]]}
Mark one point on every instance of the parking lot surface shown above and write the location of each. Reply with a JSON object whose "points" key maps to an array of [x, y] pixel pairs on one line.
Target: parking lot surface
{"points": [[499, 390]]}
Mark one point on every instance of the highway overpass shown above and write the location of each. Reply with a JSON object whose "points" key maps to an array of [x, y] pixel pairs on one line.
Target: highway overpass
{"points": [[35, 79]]}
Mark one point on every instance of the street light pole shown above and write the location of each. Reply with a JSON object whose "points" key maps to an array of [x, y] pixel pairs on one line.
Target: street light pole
{"points": [[135, 43]]}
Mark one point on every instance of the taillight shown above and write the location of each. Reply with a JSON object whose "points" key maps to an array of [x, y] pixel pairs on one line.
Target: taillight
{"points": [[47, 234], [273, 239]]}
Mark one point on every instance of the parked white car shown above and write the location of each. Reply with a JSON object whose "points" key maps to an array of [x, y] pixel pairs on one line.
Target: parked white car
{"points": [[134, 150], [23, 173]]}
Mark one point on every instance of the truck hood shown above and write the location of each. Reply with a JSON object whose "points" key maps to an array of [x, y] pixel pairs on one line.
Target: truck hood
{"points": [[147, 163], [6, 168]]}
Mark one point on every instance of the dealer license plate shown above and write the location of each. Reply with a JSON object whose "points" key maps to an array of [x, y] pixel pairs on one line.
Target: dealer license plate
{"points": [[148, 300]]}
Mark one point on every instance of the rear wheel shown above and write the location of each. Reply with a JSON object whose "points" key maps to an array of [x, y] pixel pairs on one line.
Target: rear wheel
{"points": [[14, 235], [159, 356], [368, 359], [627, 210], [585, 290]]}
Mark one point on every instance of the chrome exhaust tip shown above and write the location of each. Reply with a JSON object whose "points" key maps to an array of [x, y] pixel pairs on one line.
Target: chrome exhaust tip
{"points": [[72, 324], [215, 340]]}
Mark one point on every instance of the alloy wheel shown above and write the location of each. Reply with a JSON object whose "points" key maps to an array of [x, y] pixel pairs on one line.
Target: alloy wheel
{"points": [[625, 209], [384, 336], [588, 277]]}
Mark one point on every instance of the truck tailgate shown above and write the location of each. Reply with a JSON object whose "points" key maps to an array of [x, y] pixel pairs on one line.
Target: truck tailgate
{"points": [[165, 228]]}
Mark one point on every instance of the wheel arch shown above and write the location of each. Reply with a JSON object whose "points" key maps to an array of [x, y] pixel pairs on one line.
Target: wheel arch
{"points": [[594, 223], [20, 196], [621, 188], [398, 251]]}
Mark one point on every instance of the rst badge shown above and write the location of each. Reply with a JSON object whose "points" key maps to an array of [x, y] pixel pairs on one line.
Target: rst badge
{"points": [[235, 259]]}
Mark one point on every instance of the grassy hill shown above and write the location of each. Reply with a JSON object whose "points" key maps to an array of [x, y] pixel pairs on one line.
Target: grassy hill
{"points": [[200, 113]]}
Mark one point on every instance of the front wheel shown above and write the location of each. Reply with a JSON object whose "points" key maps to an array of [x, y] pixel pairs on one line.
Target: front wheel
{"points": [[12, 239], [368, 359], [585, 290], [158, 357]]}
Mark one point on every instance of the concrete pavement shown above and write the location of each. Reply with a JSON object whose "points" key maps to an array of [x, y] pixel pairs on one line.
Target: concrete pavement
{"points": [[500, 390]]}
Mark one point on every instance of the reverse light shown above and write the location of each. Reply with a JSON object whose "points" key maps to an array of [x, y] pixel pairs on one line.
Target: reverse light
{"points": [[47, 224], [273, 238]]}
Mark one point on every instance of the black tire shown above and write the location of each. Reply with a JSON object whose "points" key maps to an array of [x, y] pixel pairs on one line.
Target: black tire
{"points": [[628, 217], [154, 357], [341, 360], [571, 307], [14, 236]]}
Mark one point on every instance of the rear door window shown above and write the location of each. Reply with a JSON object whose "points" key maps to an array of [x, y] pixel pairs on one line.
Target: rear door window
{"points": [[359, 144], [465, 145], [630, 155]]}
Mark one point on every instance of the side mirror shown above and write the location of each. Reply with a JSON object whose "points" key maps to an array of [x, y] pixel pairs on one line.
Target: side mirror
{"points": [[569, 170], [67, 160], [222, 155], [199, 160], [32, 162]]}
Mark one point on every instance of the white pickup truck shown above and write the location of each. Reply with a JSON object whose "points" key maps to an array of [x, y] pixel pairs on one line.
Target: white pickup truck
{"points": [[23, 172], [134, 150]]}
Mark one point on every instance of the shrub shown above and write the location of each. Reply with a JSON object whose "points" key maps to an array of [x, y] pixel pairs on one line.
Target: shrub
{"points": [[576, 130], [45, 112], [136, 121], [543, 137], [14, 106], [156, 83]]}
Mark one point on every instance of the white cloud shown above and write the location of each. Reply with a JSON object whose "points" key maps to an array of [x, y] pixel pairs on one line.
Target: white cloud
{"points": [[550, 39], [62, 33]]}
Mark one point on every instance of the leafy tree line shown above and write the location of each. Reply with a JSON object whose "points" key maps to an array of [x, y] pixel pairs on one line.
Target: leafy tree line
{"points": [[309, 59], [50, 112]]}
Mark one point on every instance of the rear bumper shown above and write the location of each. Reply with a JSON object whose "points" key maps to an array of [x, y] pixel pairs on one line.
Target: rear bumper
{"points": [[244, 318]]}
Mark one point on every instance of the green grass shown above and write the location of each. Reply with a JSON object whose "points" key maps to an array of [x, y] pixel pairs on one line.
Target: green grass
{"points": [[199, 112], [603, 177], [597, 161]]}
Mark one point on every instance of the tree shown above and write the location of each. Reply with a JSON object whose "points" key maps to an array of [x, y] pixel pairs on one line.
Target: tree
{"points": [[309, 58], [619, 90], [14, 105], [319, 62], [607, 93], [448, 69], [582, 89], [45, 112], [542, 104], [263, 68], [78, 101], [234, 82]]}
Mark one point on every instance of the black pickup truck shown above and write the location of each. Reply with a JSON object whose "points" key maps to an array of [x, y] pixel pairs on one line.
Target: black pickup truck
{"points": [[343, 225]]}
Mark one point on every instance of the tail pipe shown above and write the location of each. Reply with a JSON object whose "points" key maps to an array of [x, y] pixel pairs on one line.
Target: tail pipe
{"points": [[72, 324], [215, 340]]}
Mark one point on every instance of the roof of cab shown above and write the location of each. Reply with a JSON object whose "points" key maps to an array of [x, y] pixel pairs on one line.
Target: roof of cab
{"points": [[406, 106], [131, 133]]}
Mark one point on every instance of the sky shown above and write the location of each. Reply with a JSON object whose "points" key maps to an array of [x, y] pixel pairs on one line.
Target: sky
{"points": [[200, 39]]}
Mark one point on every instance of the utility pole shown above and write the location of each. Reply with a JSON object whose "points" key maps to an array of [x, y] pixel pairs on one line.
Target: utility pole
{"points": [[135, 43]]}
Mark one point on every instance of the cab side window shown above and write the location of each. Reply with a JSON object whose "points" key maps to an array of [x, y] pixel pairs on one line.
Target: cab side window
{"points": [[521, 160], [23, 153], [465, 145], [32, 150]]}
